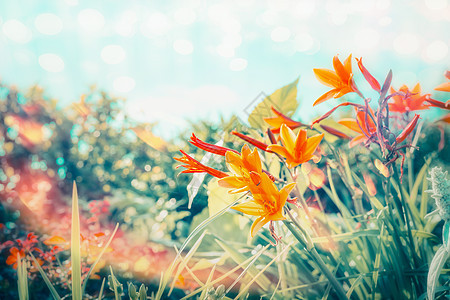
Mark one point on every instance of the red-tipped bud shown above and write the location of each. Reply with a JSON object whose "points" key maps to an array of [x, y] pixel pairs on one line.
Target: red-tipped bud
{"points": [[194, 166], [335, 132], [280, 119], [271, 136], [251, 140], [210, 147], [439, 104], [408, 129], [369, 78]]}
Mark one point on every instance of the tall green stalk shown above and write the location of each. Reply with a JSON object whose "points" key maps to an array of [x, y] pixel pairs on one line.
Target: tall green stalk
{"points": [[318, 260]]}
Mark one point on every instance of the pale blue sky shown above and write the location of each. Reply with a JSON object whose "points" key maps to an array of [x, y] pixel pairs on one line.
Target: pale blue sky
{"points": [[191, 59]]}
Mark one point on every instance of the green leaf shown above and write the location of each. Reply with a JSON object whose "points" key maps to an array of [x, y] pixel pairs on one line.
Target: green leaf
{"points": [[22, 278], [100, 294], [354, 285], [348, 236], [75, 253], [238, 258], [283, 99], [46, 280], [436, 266], [446, 235], [218, 197], [115, 285]]}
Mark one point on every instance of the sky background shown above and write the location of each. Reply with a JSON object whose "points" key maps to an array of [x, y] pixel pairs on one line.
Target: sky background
{"points": [[184, 60]]}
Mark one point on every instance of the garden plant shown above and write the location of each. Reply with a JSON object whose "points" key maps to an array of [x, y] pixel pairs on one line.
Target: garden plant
{"points": [[353, 205]]}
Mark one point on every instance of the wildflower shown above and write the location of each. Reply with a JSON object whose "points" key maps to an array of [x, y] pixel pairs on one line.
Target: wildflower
{"points": [[250, 140], [363, 124], [243, 167], [219, 150], [12, 258], [341, 79], [267, 203], [194, 166], [407, 101], [281, 119], [296, 149]]}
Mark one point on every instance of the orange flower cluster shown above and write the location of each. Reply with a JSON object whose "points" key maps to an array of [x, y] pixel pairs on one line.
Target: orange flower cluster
{"points": [[245, 168]]}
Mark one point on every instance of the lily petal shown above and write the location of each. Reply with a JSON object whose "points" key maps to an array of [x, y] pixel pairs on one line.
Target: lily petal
{"points": [[279, 150], [287, 137], [250, 208], [350, 124], [257, 225], [326, 96], [327, 77]]}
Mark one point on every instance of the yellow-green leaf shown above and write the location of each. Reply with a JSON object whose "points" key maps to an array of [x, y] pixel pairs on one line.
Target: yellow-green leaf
{"points": [[283, 99], [219, 198]]}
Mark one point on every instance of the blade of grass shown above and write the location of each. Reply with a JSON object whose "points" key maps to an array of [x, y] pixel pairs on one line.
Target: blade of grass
{"points": [[229, 273], [46, 280], [208, 283], [114, 280], [98, 259], [184, 262], [100, 294], [75, 253], [354, 285], [419, 179], [22, 278], [243, 272], [238, 257], [376, 264], [245, 289], [166, 276], [346, 236]]}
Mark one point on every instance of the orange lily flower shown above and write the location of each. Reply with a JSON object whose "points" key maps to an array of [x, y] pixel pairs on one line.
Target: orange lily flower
{"points": [[410, 101], [267, 203], [296, 149], [280, 119], [243, 167], [444, 87], [341, 79], [194, 166], [360, 126], [12, 258]]}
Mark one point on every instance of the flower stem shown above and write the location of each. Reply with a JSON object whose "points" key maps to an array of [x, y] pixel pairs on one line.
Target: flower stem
{"points": [[320, 263]]}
